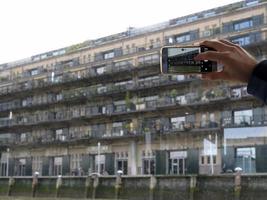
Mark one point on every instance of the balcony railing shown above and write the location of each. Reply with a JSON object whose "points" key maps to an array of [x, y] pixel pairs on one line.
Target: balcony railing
{"points": [[107, 110], [156, 127], [90, 93]]}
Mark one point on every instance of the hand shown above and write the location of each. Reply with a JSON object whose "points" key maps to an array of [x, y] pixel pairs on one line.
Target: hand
{"points": [[237, 63]]}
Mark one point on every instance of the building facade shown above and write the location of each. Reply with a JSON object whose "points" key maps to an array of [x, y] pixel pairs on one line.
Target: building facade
{"points": [[103, 106]]}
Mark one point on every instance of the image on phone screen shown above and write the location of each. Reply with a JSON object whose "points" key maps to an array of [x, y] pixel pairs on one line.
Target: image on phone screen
{"points": [[181, 60]]}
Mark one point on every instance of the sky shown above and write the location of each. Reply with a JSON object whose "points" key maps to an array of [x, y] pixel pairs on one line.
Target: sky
{"points": [[30, 27]]}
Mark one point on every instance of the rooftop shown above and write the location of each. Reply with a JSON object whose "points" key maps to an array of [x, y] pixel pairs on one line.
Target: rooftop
{"points": [[132, 32]]}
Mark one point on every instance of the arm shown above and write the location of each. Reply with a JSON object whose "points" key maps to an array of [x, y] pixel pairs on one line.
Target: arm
{"points": [[257, 84]]}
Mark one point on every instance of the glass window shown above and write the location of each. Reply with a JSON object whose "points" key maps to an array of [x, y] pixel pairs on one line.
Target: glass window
{"points": [[181, 21], [245, 40], [243, 25], [178, 123], [109, 55], [192, 18], [34, 72], [75, 163], [37, 164], [101, 70], [202, 160], [183, 38], [246, 159], [243, 117]]}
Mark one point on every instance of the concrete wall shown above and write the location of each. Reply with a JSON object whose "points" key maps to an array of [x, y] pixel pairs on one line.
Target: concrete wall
{"points": [[231, 186]]}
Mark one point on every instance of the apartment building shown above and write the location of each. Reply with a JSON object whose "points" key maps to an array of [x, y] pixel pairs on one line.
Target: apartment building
{"points": [[103, 106]]}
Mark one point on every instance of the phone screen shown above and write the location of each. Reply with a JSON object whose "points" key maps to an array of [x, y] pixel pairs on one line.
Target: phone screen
{"points": [[182, 60], [179, 60]]}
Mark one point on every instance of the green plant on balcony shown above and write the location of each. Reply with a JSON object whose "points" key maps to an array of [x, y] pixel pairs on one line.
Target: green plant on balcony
{"points": [[128, 101], [173, 95], [146, 130]]}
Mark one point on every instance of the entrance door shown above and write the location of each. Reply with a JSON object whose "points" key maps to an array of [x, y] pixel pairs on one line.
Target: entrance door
{"points": [[246, 159], [177, 166], [122, 165]]}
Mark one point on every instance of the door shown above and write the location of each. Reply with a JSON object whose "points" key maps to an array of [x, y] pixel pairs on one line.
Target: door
{"points": [[177, 166]]}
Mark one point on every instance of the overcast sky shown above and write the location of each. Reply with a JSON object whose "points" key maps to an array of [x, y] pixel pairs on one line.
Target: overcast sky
{"points": [[30, 27]]}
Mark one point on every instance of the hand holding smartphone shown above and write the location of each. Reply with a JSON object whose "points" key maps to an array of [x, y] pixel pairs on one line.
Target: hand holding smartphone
{"points": [[180, 60]]}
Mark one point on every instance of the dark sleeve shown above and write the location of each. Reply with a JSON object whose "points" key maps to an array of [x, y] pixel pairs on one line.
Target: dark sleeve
{"points": [[257, 85]]}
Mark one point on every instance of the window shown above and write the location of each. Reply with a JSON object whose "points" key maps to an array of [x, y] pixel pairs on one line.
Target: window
{"points": [[181, 99], [178, 123], [202, 160], [59, 97], [101, 70], [75, 164], [59, 135], [148, 163], [122, 162], [214, 158], [21, 167], [181, 21], [109, 55], [243, 117], [243, 25], [100, 163], [246, 159], [57, 166], [192, 18], [117, 129], [34, 72], [102, 89], [251, 2], [245, 40], [170, 40], [209, 14], [208, 159], [183, 38], [23, 137], [37, 164]]}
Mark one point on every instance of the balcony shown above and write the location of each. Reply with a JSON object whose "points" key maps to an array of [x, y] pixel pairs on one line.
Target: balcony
{"points": [[90, 93], [155, 126], [192, 101]]}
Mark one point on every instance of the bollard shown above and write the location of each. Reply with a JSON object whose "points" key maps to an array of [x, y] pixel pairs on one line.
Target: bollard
{"points": [[118, 184], [193, 186], [58, 185], [11, 183], [95, 177], [34, 183], [88, 185], [237, 188], [152, 186]]}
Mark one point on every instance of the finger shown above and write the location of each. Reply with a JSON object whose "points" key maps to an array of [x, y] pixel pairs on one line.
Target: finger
{"points": [[217, 45], [212, 55], [227, 42]]}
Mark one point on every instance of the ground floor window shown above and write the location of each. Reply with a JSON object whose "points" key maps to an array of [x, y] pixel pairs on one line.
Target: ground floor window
{"points": [[3, 171], [123, 166], [177, 162], [20, 167], [100, 164], [122, 162], [58, 166], [246, 159], [148, 165], [75, 165], [37, 164]]}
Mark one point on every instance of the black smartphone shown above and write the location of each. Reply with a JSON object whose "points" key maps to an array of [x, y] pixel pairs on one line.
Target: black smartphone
{"points": [[180, 60]]}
